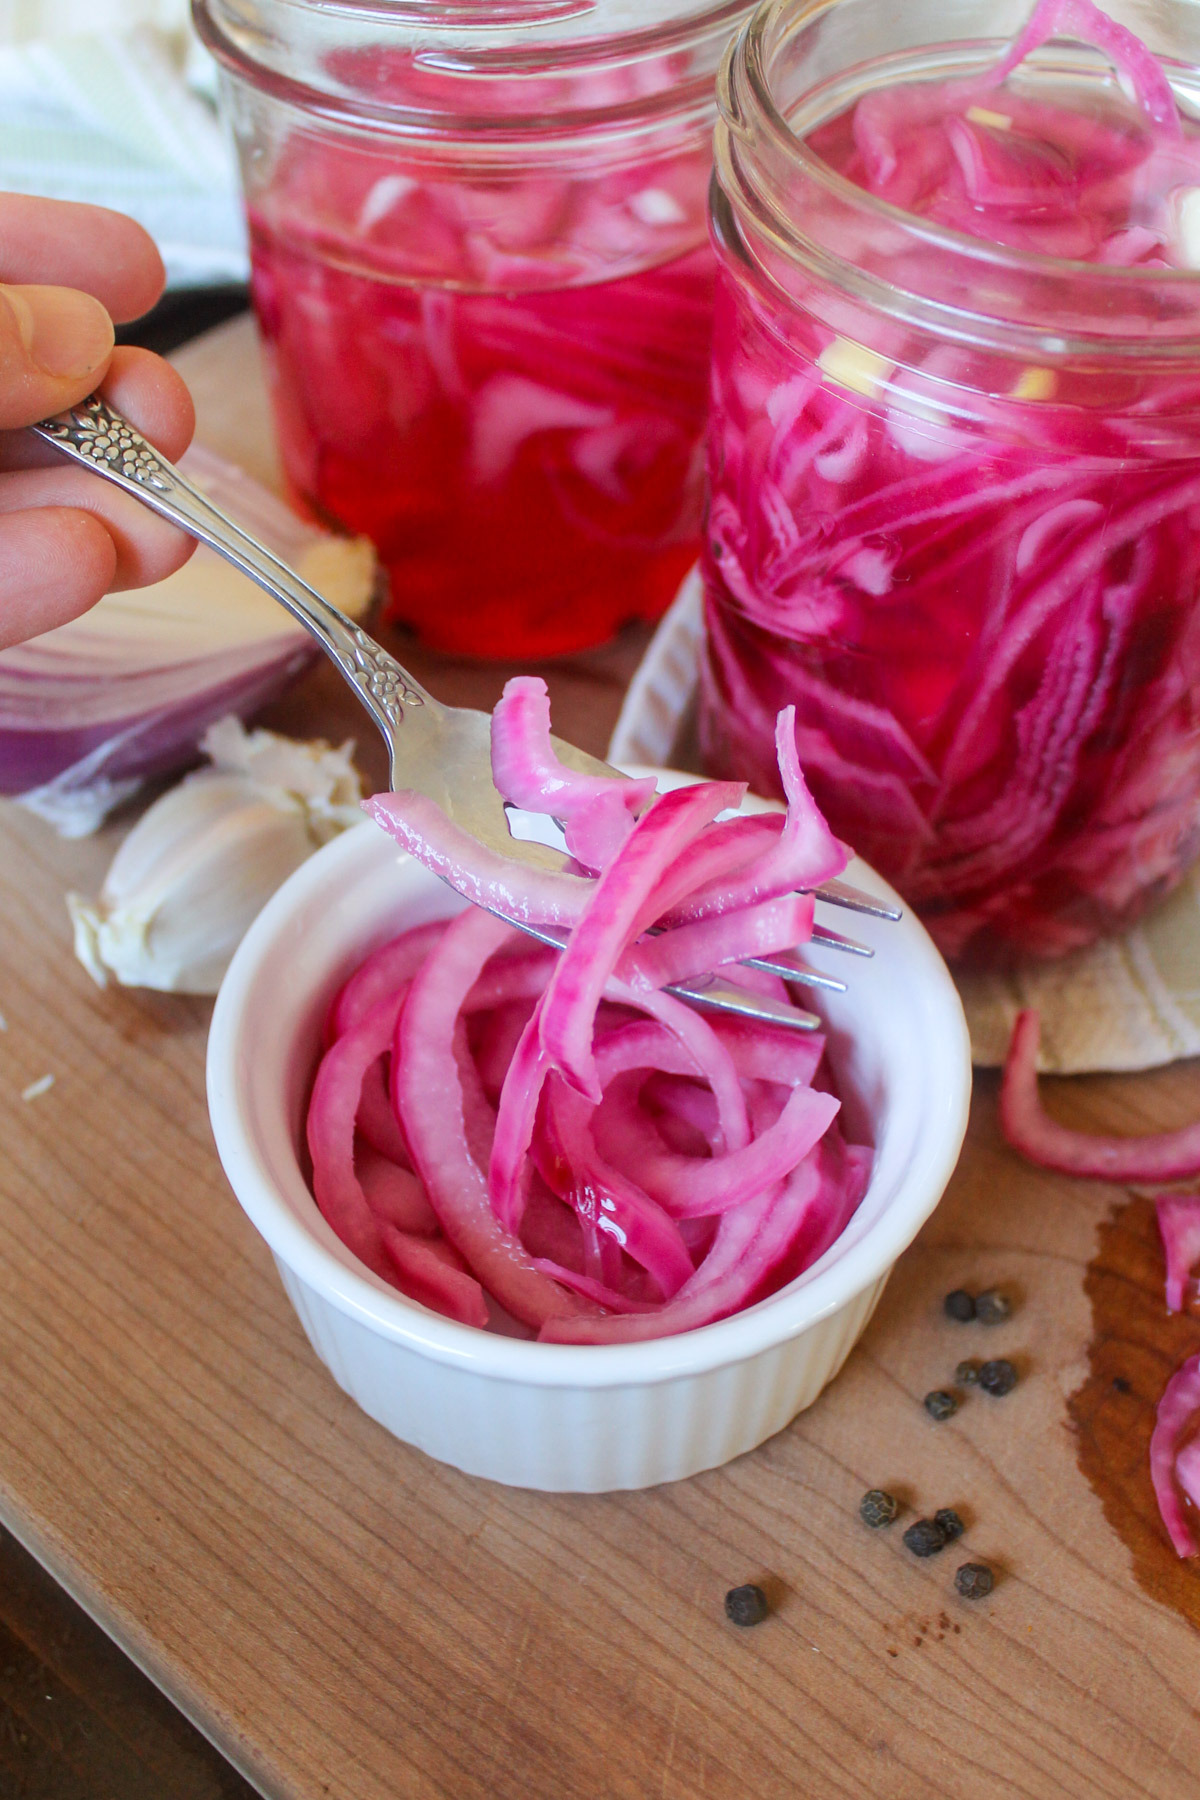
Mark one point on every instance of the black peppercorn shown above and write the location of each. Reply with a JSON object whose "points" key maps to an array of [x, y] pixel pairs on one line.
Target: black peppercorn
{"points": [[998, 1377], [878, 1508], [967, 1373], [974, 1581], [925, 1538], [992, 1307], [939, 1404], [959, 1305], [951, 1525], [746, 1605]]}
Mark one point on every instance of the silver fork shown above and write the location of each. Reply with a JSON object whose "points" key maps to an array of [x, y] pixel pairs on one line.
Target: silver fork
{"points": [[442, 751]]}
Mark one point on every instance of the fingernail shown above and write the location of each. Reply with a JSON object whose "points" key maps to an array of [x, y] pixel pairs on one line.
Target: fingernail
{"points": [[66, 334]]}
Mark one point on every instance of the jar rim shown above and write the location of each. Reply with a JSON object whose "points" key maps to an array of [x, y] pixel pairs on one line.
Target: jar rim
{"points": [[448, 48], [747, 109]]}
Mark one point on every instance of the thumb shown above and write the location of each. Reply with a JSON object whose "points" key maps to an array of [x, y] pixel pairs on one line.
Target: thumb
{"points": [[55, 345]]}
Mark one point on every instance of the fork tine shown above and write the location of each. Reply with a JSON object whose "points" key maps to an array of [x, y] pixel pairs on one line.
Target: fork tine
{"points": [[856, 899], [704, 990], [788, 969], [833, 940], [722, 996]]}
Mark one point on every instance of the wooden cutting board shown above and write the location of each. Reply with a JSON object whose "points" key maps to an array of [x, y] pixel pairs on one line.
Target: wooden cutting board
{"points": [[345, 1618]]}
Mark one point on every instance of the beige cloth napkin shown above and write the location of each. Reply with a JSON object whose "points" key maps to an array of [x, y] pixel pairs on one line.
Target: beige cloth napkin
{"points": [[1130, 1003]]}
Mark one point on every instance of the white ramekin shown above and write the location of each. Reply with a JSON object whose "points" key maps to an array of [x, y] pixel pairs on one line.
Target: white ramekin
{"points": [[571, 1417]]}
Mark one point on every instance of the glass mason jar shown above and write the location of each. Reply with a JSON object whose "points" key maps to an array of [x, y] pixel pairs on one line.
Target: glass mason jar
{"points": [[955, 491], [482, 274]]}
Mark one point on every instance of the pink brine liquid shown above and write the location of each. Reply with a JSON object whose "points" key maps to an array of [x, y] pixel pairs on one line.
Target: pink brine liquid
{"points": [[521, 438]]}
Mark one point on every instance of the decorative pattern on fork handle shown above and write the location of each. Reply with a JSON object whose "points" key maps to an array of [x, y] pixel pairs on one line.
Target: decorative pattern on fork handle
{"points": [[103, 437], [381, 677]]}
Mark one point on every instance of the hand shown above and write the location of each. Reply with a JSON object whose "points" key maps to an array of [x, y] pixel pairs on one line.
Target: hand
{"points": [[66, 273]]}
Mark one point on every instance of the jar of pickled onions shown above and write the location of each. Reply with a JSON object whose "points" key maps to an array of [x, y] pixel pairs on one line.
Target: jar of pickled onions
{"points": [[955, 448], [482, 274]]}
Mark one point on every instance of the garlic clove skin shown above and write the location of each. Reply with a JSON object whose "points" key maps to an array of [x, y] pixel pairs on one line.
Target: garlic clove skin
{"points": [[324, 782], [201, 863]]}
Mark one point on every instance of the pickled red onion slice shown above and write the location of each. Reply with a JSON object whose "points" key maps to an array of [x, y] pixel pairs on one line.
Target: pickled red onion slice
{"points": [[395, 1195], [425, 1274], [553, 1135], [620, 907], [1083, 20], [802, 855], [482, 876], [1179, 1226], [375, 1121], [429, 1098], [381, 975], [1178, 1413], [331, 1123], [1162, 1156], [688, 950], [595, 812]]}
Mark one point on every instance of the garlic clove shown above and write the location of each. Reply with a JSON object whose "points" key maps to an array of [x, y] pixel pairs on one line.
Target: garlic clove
{"points": [[178, 932], [322, 780], [201, 863]]}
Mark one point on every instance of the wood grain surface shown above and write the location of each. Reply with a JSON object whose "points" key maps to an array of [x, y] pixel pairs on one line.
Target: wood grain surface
{"points": [[344, 1617]]}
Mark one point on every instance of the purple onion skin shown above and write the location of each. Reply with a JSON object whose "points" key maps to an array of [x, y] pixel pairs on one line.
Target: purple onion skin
{"points": [[143, 743]]}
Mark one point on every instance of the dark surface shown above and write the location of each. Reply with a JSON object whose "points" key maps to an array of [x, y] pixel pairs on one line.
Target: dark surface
{"points": [[181, 316], [77, 1720]]}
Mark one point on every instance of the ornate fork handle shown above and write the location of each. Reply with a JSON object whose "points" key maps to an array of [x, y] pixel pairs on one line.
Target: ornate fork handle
{"points": [[99, 438]]}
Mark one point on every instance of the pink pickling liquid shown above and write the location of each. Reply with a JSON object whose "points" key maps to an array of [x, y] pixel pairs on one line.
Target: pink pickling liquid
{"points": [[979, 587], [502, 382]]}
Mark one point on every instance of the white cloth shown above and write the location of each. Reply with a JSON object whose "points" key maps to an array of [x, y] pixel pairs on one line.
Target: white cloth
{"points": [[110, 102]]}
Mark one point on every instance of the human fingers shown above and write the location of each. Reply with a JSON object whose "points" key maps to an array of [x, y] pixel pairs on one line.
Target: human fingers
{"points": [[55, 347], [67, 244], [55, 562], [141, 386], [153, 396], [145, 547]]}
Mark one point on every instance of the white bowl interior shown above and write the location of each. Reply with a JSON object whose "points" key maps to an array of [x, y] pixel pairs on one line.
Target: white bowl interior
{"points": [[898, 1047]]}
